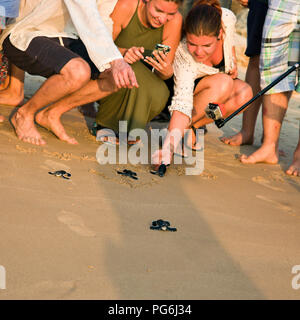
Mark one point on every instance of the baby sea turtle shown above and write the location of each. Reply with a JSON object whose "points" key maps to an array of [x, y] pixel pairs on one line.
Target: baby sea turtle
{"points": [[61, 173], [128, 173], [161, 225]]}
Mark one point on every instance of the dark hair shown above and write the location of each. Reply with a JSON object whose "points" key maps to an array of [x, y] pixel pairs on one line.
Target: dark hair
{"points": [[204, 19]]}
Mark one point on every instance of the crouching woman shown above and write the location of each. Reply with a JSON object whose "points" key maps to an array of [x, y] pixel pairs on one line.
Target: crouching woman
{"points": [[205, 71]]}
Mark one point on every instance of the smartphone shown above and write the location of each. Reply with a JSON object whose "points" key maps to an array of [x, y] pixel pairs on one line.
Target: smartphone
{"points": [[159, 47]]}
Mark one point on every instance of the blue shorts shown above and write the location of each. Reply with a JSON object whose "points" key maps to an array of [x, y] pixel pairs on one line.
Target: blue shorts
{"points": [[9, 8]]}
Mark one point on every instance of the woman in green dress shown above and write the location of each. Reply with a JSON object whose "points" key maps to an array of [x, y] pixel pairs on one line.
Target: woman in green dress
{"points": [[139, 25]]}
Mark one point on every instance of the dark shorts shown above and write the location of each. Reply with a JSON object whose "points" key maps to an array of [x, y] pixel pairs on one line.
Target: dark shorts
{"points": [[255, 23], [46, 56]]}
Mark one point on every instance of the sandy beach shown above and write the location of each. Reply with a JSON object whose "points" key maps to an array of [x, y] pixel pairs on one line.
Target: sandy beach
{"points": [[89, 238]]}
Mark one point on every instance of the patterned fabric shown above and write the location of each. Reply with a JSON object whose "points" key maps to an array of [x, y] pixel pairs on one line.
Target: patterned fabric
{"points": [[281, 45], [187, 70], [2, 23], [3, 68]]}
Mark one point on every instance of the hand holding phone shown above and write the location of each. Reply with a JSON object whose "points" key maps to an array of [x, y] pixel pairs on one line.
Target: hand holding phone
{"points": [[159, 61], [158, 47]]}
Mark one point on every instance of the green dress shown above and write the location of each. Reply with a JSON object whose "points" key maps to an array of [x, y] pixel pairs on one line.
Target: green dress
{"points": [[138, 105]]}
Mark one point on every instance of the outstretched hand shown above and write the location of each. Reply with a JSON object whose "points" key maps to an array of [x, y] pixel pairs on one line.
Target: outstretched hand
{"points": [[123, 74]]}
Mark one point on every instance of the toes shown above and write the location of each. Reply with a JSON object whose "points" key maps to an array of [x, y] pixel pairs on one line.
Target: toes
{"points": [[245, 159], [33, 140], [293, 171], [72, 141], [224, 140]]}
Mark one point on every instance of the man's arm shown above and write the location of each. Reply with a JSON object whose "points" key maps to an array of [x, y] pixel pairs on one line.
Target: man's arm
{"points": [[93, 32], [98, 41]]}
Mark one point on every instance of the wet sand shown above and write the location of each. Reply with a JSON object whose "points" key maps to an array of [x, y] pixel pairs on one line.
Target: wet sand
{"points": [[88, 238]]}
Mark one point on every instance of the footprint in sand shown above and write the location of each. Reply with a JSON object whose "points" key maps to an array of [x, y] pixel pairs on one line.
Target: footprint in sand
{"points": [[228, 172], [50, 288], [283, 207], [75, 223], [55, 165], [266, 183]]}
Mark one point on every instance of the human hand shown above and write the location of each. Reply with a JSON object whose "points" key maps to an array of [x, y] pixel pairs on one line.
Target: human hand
{"points": [[233, 73], [162, 156], [244, 3], [123, 74], [133, 54], [161, 64]]}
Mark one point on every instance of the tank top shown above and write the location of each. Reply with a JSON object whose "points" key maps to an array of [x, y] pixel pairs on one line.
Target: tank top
{"points": [[137, 35]]}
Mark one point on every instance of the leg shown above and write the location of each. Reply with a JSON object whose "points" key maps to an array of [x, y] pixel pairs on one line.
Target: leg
{"points": [[49, 118], [72, 77], [137, 106], [13, 94], [274, 109], [232, 93], [246, 135]]}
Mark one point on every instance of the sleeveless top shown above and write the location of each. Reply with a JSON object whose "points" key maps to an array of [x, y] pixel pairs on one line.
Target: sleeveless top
{"points": [[137, 35]]}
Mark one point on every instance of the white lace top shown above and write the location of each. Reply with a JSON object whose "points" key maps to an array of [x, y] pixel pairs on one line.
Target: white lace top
{"points": [[187, 70]]}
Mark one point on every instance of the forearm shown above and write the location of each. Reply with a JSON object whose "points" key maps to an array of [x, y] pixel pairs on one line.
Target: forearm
{"points": [[164, 76], [178, 123], [92, 31]]}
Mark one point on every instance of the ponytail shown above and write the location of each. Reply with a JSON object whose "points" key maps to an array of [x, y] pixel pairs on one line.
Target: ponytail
{"points": [[205, 18]]}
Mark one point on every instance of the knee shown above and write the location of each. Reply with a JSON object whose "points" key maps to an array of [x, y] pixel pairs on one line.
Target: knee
{"points": [[77, 73], [222, 85]]}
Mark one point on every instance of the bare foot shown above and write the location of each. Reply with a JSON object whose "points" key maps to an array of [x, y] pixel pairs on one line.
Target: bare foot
{"points": [[294, 169], [266, 154], [25, 128], [238, 139], [1, 118], [7, 97], [53, 124]]}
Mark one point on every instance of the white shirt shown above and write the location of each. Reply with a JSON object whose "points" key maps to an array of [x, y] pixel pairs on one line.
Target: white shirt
{"points": [[187, 70], [71, 19]]}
